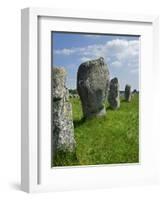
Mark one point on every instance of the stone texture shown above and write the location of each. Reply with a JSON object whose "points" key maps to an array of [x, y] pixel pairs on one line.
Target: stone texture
{"points": [[92, 86], [63, 130], [114, 96], [128, 93]]}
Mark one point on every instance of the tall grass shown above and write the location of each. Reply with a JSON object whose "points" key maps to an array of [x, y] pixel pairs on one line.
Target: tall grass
{"points": [[113, 138]]}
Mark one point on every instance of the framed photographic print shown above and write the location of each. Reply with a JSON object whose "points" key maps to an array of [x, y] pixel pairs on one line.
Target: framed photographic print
{"points": [[87, 114], [101, 110]]}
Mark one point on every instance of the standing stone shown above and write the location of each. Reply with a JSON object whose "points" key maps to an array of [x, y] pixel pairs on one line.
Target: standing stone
{"points": [[114, 96], [63, 130], [92, 86], [128, 93]]}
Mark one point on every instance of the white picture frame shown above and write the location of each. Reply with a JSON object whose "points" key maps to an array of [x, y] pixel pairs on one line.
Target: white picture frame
{"points": [[36, 171]]}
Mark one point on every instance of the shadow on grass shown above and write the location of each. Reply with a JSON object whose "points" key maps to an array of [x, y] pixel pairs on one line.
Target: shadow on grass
{"points": [[123, 100], [108, 108], [78, 123]]}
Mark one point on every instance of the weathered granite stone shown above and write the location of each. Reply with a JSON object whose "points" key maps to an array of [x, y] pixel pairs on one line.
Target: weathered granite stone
{"points": [[58, 83], [63, 130], [92, 86], [114, 96], [128, 93]]}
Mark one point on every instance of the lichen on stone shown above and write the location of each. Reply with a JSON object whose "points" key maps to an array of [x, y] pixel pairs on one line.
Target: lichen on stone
{"points": [[114, 96], [63, 129], [92, 86]]}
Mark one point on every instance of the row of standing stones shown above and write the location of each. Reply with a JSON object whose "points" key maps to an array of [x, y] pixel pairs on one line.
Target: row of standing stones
{"points": [[94, 87]]}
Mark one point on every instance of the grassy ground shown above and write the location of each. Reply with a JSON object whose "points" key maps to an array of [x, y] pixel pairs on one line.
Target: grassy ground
{"points": [[107, 140]]}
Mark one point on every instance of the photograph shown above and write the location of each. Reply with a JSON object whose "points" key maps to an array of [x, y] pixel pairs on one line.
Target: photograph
{"points": [[94, 99]]}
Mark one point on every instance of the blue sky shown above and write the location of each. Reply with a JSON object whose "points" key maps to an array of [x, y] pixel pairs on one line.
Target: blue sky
{"points": [[121, 53]]}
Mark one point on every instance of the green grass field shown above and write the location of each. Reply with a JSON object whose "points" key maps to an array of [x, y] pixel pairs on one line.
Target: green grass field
{"points": [[107, 140]]}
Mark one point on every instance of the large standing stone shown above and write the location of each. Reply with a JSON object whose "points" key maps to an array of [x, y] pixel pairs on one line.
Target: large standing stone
{"points": [[92, 86], [128, 93], [114, 96], [63, 130]]}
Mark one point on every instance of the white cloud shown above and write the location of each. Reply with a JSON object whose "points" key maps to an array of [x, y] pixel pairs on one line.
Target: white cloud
{"points": [[117, 52], [84, 59], [65, 51], [116, 64]]}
